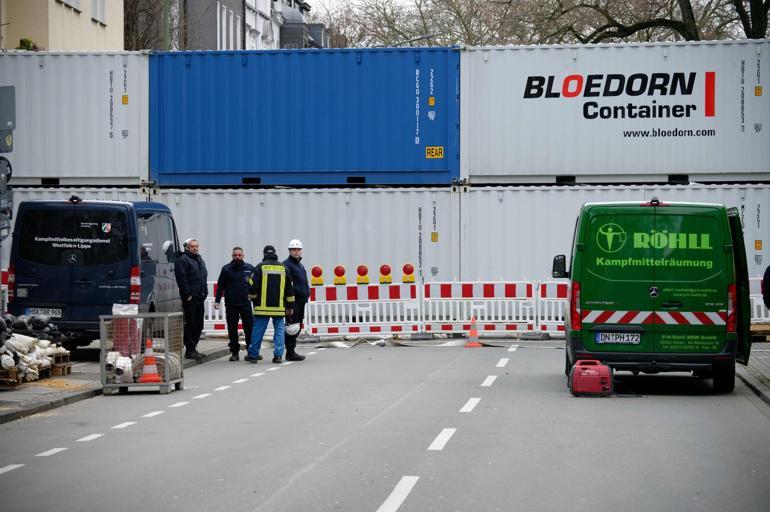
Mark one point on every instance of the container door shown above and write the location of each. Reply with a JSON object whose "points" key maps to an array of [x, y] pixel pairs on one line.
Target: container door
{"points": [[101, 263], [692, 272], [743, 306], [616, 281]]}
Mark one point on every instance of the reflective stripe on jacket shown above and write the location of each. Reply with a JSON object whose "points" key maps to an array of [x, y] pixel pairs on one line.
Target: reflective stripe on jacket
{"points": [[270, 288]]}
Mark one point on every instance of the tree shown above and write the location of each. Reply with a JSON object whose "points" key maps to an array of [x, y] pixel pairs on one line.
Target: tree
{"points": [[491, 22], [594, 21], [143, 25], [754, 21]]}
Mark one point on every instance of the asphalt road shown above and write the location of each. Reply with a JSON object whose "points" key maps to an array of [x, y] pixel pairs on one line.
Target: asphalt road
{"points": [[386, 429]]}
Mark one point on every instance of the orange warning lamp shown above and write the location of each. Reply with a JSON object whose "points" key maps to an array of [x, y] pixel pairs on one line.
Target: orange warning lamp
{"points": [[408, 276], [363, 274], [316, 276], [385, 277], [339, 274]]}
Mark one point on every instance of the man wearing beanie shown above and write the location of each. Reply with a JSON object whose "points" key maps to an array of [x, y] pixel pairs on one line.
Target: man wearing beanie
{"points": [[272, 295]]}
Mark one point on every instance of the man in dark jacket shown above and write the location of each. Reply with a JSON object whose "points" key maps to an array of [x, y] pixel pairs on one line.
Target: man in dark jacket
{"points": [[191, 274], [272, 295], [766, 287], [233, 283], [301, 296]]}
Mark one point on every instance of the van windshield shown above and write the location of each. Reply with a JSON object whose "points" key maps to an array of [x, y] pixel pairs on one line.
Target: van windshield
{"points": [[70, 236]]}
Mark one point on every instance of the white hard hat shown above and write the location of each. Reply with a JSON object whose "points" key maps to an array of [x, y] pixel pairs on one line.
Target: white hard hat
{"points": [[295, 244], [292, 329]]}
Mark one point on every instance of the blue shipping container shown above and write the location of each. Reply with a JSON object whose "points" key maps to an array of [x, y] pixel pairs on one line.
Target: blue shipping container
{"points": [[305, 117]]}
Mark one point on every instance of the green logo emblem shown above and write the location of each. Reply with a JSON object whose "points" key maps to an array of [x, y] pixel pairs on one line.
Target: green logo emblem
{"points": [[611, 237]]}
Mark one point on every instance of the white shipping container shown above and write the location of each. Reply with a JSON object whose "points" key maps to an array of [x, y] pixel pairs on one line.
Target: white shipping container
{"points": [[514, 232], [489, 233], [616, 112], [80, 118]]}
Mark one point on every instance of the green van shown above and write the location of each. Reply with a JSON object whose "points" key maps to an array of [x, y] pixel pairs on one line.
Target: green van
{"points": [[659, 287]]}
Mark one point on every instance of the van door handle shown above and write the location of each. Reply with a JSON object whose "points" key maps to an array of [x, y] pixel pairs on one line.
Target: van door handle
{"points": [[673, 304]]}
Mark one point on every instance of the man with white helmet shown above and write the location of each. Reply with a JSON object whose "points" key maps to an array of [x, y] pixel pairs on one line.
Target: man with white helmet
{"points": [[301, 295]]}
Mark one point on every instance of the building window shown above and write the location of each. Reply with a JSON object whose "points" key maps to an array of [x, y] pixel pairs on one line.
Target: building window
{"points": [[230, 30], [75, 4], [99, 11], [238, 33], [219, 27], [223, 33]]}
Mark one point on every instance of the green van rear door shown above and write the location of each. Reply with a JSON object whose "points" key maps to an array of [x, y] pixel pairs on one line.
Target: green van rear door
{"points": [[617, 308], [693, 267]]}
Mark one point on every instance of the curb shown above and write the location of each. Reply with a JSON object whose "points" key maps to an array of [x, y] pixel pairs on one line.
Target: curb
{"points": [[216, 354], [96, 389], [47, 406], [753, 384]]}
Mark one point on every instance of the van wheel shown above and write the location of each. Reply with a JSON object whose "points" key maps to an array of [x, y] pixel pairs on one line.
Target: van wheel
{"points": [[724, 377]]}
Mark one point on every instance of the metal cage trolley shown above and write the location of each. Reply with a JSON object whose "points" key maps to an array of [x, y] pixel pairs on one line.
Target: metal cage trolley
{"points": [[140, 351]]}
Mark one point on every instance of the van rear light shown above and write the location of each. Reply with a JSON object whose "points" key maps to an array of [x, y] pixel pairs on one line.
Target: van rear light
{"points": [[731, 301], [574, 307], [11, 282], [135, 287]]}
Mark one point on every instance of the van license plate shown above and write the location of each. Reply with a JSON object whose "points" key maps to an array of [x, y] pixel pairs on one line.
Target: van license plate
{"points": [[622, 338], [51, 312]]}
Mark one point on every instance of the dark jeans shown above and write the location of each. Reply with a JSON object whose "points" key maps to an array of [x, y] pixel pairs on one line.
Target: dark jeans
{"points": [[233, 313], [193, 322], [297, 316]]}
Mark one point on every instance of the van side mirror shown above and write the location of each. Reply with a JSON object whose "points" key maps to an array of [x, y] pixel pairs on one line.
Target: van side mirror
{"points": [[559, 266]]}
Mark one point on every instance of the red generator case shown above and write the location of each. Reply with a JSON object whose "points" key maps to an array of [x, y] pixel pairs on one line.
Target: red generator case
{"points": [[589, 377]]}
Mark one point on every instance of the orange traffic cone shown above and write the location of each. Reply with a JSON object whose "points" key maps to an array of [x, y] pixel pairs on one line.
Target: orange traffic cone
{"points": [[150, 369], [473, 336]]}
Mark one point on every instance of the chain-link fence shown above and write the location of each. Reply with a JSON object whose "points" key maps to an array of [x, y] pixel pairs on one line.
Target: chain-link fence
{"points": [[141, 350]]}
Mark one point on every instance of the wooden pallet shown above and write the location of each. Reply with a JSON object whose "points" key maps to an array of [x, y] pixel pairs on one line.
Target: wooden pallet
{"points": [[60, 370], [9, 379], [760, 333], [61, 359]]}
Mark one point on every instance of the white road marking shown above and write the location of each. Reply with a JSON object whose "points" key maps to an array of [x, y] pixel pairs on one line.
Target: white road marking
{"points": [[274, 368], [287, 363], [399, 494], [202, 395], [52, 451], [513, 348], [221, 388], [470, 404], [502, 362], [312, 353], [320, 349], [179, 404], [125, 424], [153, 414], [442, 439], [258, 374], [240, 381], [10, 467], [89, 438], [488, 381]]}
